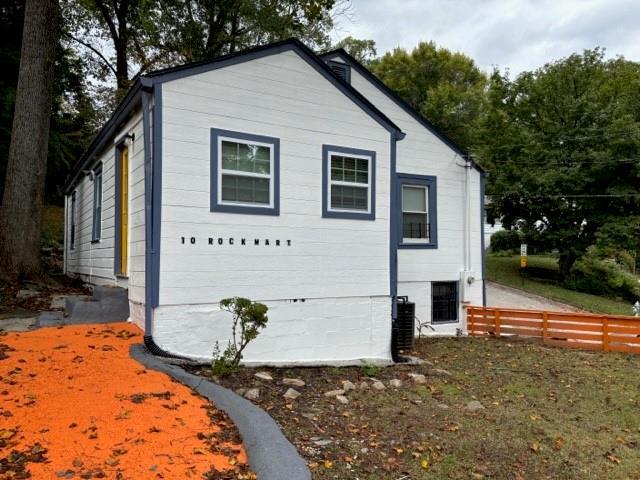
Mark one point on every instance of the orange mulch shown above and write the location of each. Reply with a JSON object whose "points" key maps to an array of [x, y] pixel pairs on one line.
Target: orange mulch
{"points": [[73, 404]]}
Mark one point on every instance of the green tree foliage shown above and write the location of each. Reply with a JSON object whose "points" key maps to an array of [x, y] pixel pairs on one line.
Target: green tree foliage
{"points": [[562, 144], [362, 50], [446, 87]]}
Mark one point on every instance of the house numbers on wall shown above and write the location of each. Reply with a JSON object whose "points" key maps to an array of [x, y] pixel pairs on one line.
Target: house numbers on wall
{"points": [[241, 241]]}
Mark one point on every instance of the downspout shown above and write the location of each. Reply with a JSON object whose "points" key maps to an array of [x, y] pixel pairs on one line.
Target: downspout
{"points": [[483, 181], [467, 217], [151, 209]]}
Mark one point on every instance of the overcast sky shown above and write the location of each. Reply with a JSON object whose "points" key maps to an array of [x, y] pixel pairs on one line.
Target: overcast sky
{"points": [[515, 34]]}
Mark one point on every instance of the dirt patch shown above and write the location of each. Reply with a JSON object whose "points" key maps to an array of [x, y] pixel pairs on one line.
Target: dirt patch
{"points": [[73, 404], [30, 298], [508, 410]]}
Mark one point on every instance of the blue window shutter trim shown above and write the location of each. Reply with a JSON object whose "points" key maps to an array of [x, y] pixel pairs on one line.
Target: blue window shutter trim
{"points": [[216, 206], [326, 212], [431, 182], [96, 218]]}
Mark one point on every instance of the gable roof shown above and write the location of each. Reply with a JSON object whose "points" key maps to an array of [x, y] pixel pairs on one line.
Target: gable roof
{"points": [[146, 81], [393, 96]]}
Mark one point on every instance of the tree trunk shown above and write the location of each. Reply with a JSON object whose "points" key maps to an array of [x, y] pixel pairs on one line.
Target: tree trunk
{"points": [[21, 212], [565, 262]]}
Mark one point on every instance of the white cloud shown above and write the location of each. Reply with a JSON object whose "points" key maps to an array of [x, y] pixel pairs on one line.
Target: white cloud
{"points": [[515, 34]]}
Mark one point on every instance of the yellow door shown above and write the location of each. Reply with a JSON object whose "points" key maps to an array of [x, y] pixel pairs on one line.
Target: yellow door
{"points": [[124, 220]]}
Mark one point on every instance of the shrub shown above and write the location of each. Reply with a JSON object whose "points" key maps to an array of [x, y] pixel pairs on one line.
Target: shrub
{"points": [[603, 276], [369, 369], [248, 319], [505, 240]]}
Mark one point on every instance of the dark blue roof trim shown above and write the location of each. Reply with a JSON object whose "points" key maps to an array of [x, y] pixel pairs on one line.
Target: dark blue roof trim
{"points": [[295, 45], [400, 102]]}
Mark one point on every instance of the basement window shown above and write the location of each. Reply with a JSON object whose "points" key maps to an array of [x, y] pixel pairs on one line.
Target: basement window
{"points": [[245, 173], [444, 302]]}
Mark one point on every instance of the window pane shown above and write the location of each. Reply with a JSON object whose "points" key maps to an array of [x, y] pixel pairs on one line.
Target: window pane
{"points": [[246, 157], [236, 188], [347, 169], [414, 199], [349, 198], [444, 301], [415, 225]]}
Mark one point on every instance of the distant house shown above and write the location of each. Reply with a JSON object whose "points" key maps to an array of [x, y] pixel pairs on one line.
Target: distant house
{"points": [[289, 178]]}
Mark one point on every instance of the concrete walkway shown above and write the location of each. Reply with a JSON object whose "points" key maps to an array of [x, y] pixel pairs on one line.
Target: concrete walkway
{"points": [[507, 297]]}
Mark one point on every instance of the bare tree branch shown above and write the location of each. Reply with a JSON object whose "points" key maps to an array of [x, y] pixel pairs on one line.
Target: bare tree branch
{"points": [[93, 49]]}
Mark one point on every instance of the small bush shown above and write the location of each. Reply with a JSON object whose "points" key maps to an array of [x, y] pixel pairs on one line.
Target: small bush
{"points": [[248, 319], [369, 369], [505, 240], [603, 276]]}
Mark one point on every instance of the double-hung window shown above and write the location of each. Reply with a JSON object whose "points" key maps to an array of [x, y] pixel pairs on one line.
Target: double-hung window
{"points": [[96, 230], [245, 173], [348, 179], [417, 211]]}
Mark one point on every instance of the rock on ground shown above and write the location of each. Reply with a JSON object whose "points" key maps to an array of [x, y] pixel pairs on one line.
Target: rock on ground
{"points": [[334, 393], [439, 372], [342, 399], [292, 394], [474, 406], [395, 383], [295, 382], [263, 376], [252, 394], [378, 385], [418, 378], [347, 385]]}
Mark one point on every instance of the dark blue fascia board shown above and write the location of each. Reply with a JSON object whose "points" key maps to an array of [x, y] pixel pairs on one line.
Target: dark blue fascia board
{"points": [[431, 182], [295, 45], [393, 96], [326, 213], [250, 210], [108, 131]]}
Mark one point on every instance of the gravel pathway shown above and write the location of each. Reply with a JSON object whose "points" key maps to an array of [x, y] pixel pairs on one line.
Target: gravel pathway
{"points": [[507, 297]]}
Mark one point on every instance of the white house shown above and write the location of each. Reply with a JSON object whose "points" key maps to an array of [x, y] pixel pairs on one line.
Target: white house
{"points": [[293, 179]]}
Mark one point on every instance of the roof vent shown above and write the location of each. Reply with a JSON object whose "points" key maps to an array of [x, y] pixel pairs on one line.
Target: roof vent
{"points": [[342, 70]]}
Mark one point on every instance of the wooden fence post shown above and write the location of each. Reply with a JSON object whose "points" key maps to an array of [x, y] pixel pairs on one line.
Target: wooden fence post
{"points": [[605, 334], [496, 315], [545, 326]]}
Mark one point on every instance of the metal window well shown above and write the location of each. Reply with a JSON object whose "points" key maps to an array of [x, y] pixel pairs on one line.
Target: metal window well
{"points": [[404, 326]]}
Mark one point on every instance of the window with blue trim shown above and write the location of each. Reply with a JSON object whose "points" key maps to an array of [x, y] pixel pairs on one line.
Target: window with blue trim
{"points": [[244, 173], [348, 183], [96, 230], [418, 211]]}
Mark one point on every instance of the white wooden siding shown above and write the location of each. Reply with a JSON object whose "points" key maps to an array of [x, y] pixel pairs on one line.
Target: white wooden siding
{"points": [[423, 153], [95, 261], [330, 261]]}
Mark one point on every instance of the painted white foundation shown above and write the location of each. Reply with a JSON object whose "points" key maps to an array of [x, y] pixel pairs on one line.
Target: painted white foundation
{"points": [[136, 314], [327, 331]]}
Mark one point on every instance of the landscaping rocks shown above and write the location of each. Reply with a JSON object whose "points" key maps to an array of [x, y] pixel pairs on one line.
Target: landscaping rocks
{"points": [[364, 385], [395, 383], [347, 385], [378, 385], [263, 376], [292, 394], [322, 443], [418, 378], [334, 393], [23, 294], [252, 394], [241, 391], [342, 399], [474, 406], [439, 372], [294, 382]]}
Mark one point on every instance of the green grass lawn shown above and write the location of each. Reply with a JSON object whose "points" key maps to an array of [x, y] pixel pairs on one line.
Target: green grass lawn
{"points": [[541, 279]]}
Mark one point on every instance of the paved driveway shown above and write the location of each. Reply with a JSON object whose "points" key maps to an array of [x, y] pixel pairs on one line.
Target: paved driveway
{"points": [[73, 404], [507, 297]]}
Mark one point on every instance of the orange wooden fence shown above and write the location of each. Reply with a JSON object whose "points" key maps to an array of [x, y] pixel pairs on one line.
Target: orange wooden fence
{"points": [[563, 329]]}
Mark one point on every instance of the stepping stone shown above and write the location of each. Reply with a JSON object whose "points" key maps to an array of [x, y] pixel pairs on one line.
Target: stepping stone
{"points": [[296, 382], [292, 394], [263, 376]]}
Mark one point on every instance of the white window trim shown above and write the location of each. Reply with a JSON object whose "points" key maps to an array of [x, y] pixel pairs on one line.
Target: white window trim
{"points": [[425, 189], [240, 173], [331, 182]]}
